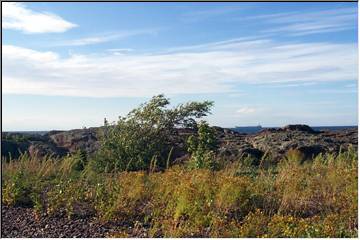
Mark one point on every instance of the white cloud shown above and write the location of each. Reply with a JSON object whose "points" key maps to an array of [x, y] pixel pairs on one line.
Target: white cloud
{"points": [[236, 94], [246, 110], [298, 23], [14, 53], [219, 68], [291, 85], [105, 37], [352, 85], [16, 16], [120, 50], [86, 41], [214, 11]]}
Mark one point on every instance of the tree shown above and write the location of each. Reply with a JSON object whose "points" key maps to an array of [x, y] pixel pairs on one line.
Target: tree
{"points": [[144, 135]]}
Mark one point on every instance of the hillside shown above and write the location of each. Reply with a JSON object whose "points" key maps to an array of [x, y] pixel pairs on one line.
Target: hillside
{"points": [[232, 145]]}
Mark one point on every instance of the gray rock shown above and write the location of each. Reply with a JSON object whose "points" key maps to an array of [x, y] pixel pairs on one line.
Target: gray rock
{"points": [[232, 145]]}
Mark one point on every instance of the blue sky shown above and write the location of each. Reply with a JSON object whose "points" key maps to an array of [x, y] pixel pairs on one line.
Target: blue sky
{"points": [[69, 65]]}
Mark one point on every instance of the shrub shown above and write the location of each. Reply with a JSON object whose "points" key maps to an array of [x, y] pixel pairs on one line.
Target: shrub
{"points": [[202, 146], [17, 191], [25, 178], [144, 134]]}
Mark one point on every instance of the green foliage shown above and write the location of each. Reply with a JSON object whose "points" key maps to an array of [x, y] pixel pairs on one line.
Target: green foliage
{"points": [[202, 147], [144, 135], [254, 224], [82, 160], [16, 137], [23, 180], [26, 178], [70, 195], [17, 191]]}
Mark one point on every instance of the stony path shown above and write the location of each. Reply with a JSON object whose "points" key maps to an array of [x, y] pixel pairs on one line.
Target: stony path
{"points": [[22, 222]]}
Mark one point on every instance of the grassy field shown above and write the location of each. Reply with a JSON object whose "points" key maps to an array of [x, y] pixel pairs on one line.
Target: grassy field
{"points": [[317, 198]]}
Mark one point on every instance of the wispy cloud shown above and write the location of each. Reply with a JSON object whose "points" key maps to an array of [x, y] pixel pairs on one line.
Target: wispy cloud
{"points": [[298, 23], [120, 50], [203, 14], [236, 94], [246, 110], [239, 42], [291, 85], [106, 37], [352, 85], [221, 68], [18, 17]]}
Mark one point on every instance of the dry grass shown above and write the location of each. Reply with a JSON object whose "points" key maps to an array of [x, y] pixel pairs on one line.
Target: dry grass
{"points": [[293, 199]]}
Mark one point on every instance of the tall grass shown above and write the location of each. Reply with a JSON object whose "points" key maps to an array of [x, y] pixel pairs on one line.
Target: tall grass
{"points": [[316, 198]]}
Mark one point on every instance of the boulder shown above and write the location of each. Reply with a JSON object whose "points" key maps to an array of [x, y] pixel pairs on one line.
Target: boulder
{"points": [[252, 152], [299, 127], [12, 149], [42, 149], [311, 151], [75, 140]]}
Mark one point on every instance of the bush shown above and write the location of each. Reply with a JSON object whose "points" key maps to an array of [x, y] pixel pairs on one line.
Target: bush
{"points": [[202, 146], [17, 191], [144, 135], [25, 178]]}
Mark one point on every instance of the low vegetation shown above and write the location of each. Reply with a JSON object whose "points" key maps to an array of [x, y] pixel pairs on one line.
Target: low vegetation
{"points": [[292, 198], [313, 199]]}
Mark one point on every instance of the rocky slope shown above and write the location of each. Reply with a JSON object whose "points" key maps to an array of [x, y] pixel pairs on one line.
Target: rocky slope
{"points": [[57, 143], [275, 143]]}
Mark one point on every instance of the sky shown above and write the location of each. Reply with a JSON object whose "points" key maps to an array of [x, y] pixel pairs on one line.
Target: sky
{"points": [[70, 65]]}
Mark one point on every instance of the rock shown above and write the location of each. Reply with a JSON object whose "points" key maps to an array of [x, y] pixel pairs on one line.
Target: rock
{"points": [[53, 132], [252, 152], [12, 149], [78, 139], [226, 152], [299, 127], [232, 145], [41, 149], [312, 151], [305, 153], [311, 143]]}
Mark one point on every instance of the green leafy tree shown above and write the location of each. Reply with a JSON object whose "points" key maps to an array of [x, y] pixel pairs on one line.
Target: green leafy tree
{"points": [[143, 137], [202, 147]]}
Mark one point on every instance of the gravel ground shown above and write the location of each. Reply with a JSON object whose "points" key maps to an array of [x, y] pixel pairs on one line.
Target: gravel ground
{"points": [[22, 222]]}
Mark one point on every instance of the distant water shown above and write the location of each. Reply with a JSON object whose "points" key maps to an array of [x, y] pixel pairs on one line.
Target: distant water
{"points": [[256, 129]]}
